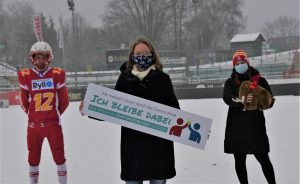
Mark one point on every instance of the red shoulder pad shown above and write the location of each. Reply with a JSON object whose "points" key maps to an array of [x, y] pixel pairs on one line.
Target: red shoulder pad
{"points": [[56, 70], [24, 72]]}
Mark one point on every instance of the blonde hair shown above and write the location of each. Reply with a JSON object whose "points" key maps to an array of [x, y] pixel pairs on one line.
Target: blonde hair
{"points": [[145, 41]]}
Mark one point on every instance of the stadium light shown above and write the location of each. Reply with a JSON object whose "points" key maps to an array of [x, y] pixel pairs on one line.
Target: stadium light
{"points": [[71, 5]]}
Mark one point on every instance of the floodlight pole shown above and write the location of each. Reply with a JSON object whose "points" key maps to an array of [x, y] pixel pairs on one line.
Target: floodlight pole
{"points": [[71, 5]]}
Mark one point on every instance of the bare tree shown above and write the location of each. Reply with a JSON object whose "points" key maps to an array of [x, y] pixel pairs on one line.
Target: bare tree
{"points": [[218, 19], [75, 50], [282, 33], [3, 34], [129, 19], [179, 11], [204, 22], [281, 27], [19, 24], [88, 44], [18, 33], [50, 36]]}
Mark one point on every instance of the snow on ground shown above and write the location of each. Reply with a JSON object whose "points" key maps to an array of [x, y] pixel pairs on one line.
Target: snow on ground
{"points": [[93, 154], [266, 59]]}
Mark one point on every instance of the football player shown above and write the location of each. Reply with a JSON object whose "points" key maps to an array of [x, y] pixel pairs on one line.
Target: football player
{"points": [[44, 98]]}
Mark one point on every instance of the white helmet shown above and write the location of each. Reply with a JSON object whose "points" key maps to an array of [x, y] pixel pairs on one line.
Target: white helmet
{"points": [[41, 48]]}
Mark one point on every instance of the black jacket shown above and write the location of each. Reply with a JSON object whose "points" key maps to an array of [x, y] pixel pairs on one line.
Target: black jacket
{"points": [[245, 130], [143, 156]]}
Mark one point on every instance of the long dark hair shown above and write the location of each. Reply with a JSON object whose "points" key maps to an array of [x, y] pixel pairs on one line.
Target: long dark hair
{"points": [[145, 41]]}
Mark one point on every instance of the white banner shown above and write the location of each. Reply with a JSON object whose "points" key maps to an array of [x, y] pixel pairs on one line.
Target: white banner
{"points": [[37, 26], [146, 116]]}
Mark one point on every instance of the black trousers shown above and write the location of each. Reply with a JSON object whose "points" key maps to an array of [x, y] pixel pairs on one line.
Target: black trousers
{"points": [[262, 158]]}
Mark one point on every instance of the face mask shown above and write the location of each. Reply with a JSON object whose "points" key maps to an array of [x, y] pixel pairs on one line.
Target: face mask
{"points": [[142, 61], [241, 68]]}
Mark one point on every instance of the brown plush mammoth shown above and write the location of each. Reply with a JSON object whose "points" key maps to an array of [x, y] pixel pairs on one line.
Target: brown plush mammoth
{"points": [[261, 96]]}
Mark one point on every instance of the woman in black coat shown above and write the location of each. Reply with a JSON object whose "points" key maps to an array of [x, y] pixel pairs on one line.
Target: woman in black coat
{"points": [[246, 130], [143, 156]]}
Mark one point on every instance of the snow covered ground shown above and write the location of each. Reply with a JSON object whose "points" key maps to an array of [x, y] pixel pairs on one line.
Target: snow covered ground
{"points": [[93, 154]]}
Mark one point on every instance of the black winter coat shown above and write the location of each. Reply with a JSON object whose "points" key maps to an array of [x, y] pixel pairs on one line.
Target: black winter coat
{"points": [[143, 156], [245, 130]]}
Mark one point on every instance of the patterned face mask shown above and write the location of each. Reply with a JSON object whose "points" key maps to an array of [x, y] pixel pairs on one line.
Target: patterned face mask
{"points": [[143, 61]]}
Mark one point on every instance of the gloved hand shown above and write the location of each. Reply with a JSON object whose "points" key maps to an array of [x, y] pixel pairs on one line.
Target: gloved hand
{"points": [[80, 108], [24, 109], [249, 98], [238, 100]]}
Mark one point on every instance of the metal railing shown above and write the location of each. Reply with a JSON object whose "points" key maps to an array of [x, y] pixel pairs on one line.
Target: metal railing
{"points": [[206, 74]]}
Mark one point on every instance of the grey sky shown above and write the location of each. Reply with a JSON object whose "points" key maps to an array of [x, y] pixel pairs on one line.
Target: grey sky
{"points": [[260, 11], [256, 11]]}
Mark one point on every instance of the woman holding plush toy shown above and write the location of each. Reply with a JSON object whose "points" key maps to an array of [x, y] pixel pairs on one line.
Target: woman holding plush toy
{"points": [[245, 129]]}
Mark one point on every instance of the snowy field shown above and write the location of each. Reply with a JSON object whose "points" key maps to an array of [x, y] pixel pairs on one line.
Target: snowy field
{"points": [[93, 153]]}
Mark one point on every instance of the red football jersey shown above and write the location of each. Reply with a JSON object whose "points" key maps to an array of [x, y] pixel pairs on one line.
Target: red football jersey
{"points": [[44, 95]]}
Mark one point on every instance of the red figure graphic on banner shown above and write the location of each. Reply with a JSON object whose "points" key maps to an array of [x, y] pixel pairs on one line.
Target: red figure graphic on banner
{"points": [[177, 129]]}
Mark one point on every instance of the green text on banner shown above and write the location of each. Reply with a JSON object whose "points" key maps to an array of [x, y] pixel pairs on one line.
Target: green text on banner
{"points": [[146, 116]]}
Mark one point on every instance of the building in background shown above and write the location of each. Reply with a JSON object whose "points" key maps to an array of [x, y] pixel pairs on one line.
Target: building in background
{"points": [[251, 43]]}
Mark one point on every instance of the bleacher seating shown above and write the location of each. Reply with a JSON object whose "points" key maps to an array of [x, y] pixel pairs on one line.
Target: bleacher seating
{"points": [[8, 76], [271, 66]]}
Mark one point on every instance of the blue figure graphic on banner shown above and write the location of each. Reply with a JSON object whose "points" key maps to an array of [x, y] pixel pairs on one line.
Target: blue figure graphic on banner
{"points": [[195, 135]]}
